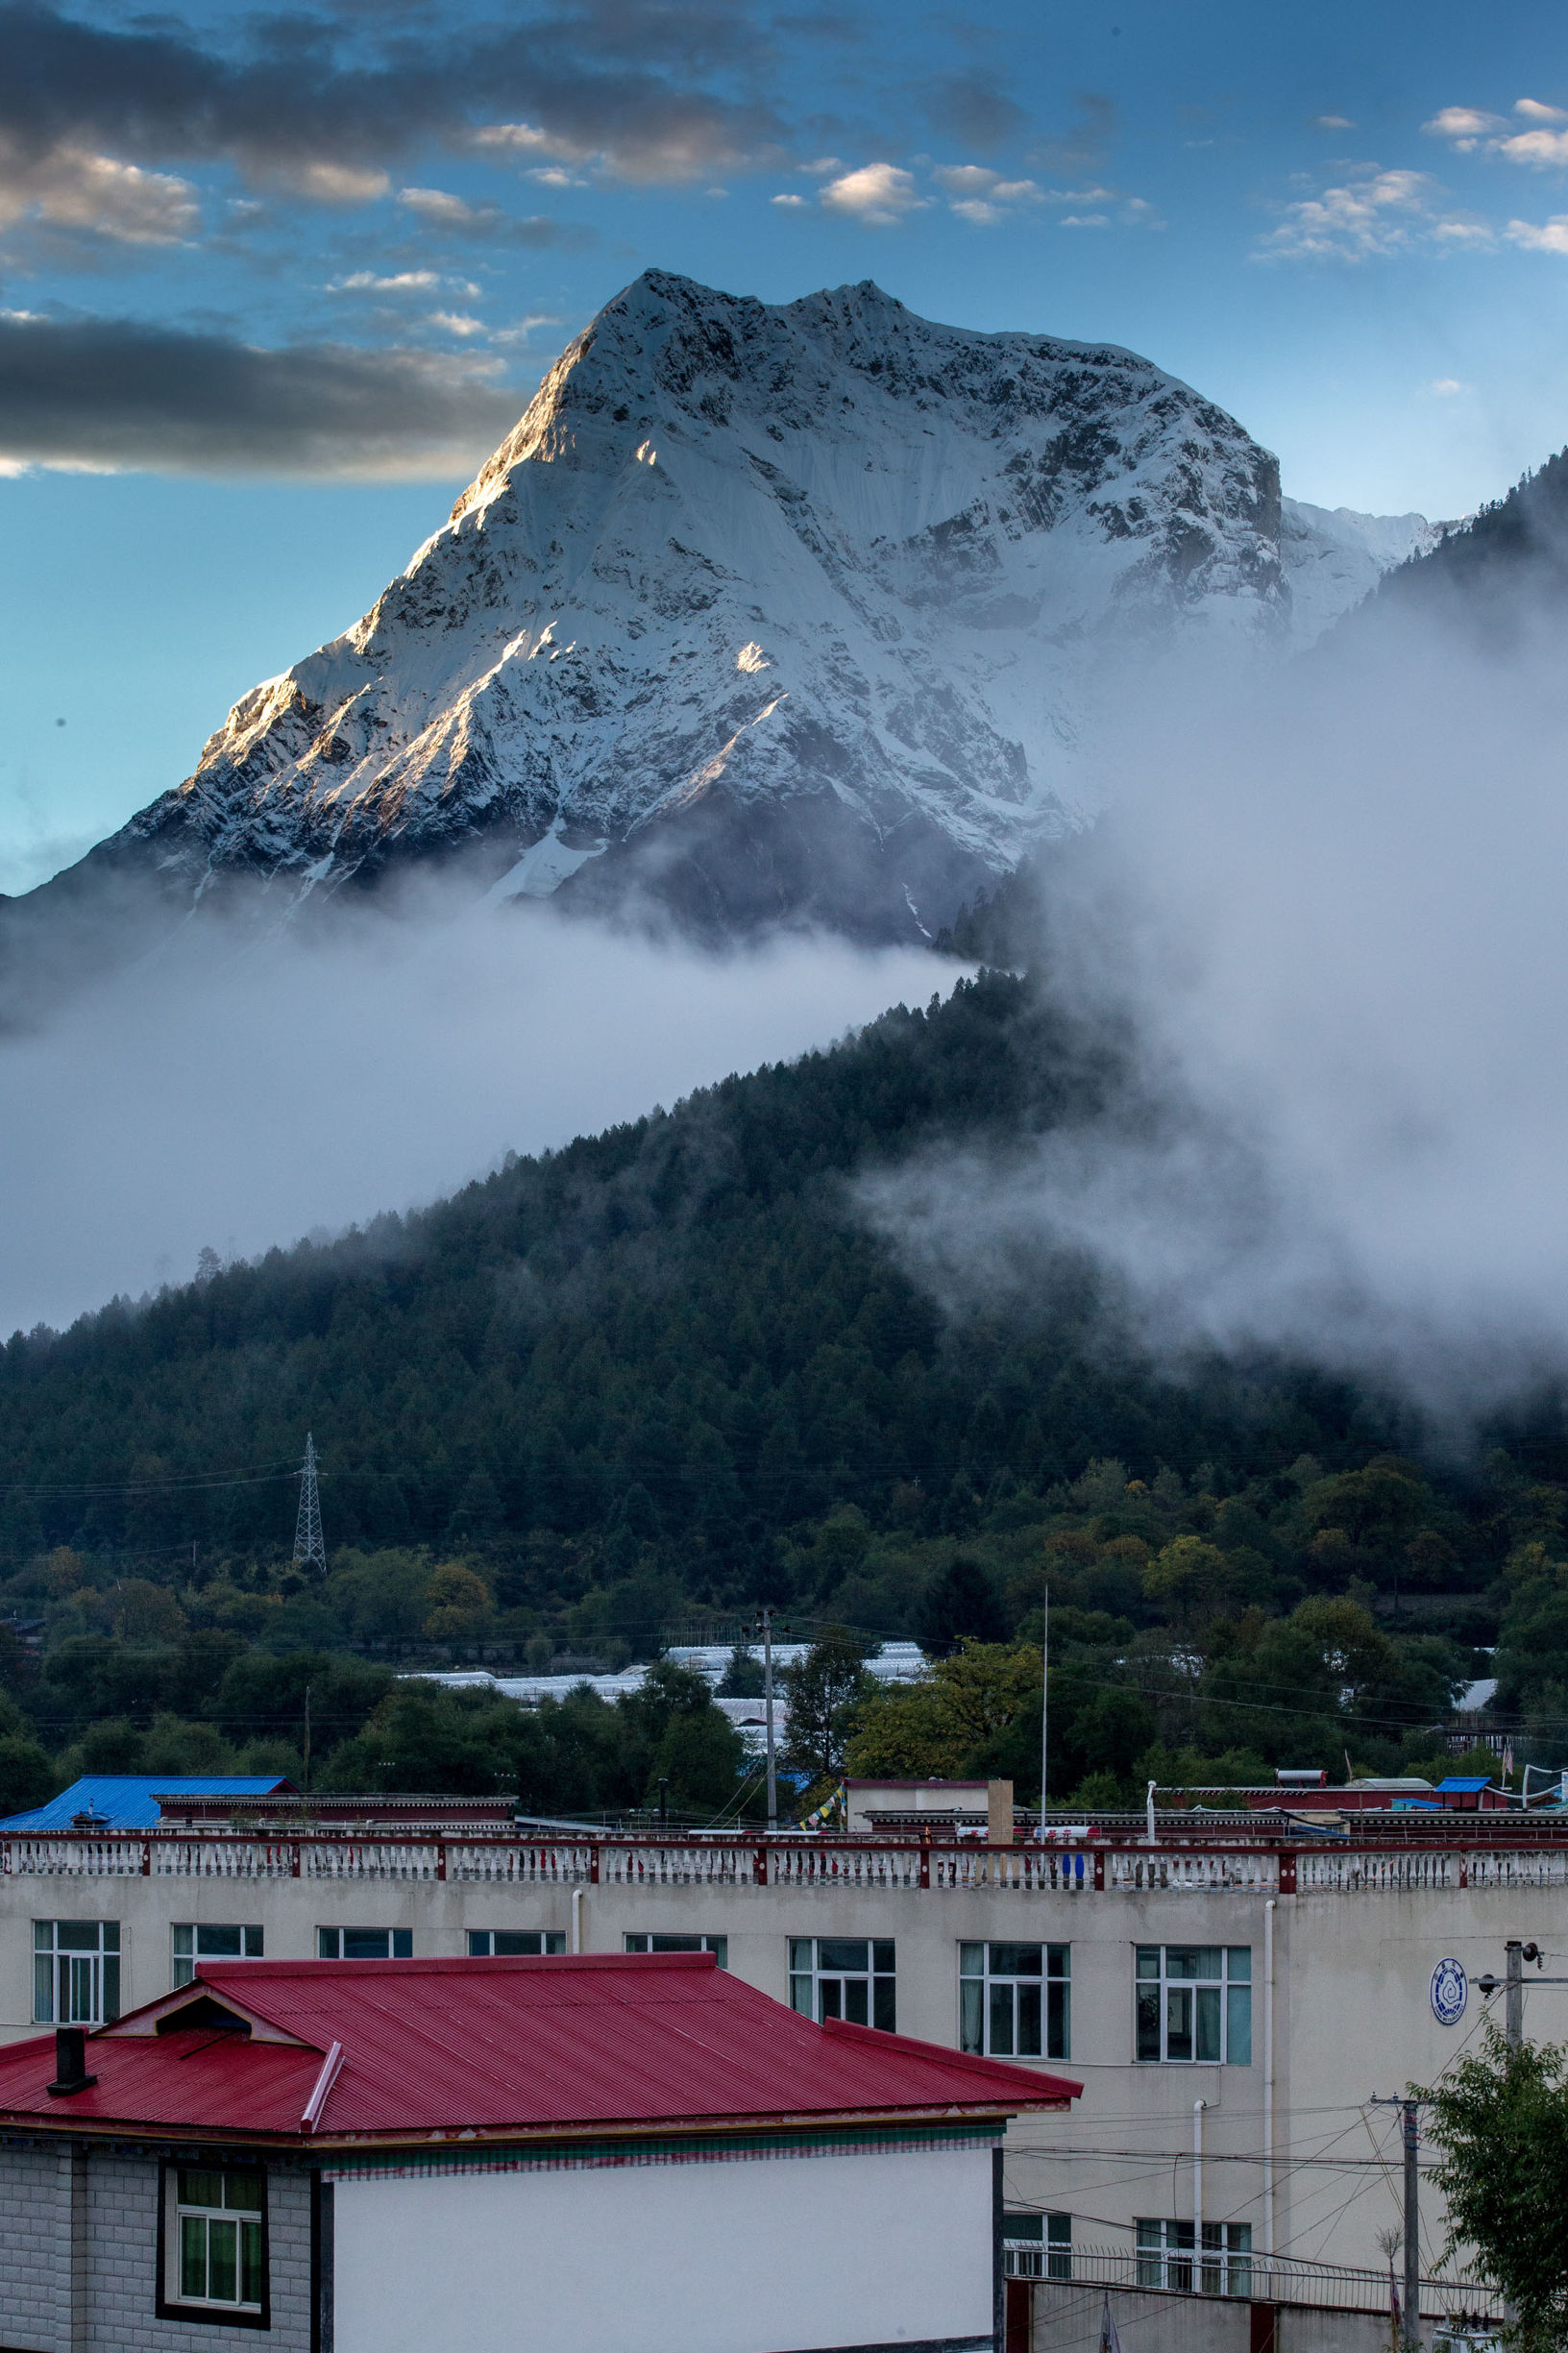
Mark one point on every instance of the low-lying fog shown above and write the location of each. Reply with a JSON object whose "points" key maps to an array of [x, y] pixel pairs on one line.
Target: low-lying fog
{"points": [[237, 1099]]}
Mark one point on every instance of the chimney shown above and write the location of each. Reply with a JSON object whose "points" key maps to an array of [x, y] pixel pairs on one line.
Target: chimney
{"points": [[999, 1824], [70, 2062]]}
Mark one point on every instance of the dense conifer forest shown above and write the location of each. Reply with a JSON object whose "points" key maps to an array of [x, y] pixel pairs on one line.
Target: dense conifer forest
{"points": [[625, 1393]]}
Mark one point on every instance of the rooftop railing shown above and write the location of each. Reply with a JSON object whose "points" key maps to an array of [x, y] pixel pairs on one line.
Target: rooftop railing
{"points": [[1262, 2279], [1362, 1866]]}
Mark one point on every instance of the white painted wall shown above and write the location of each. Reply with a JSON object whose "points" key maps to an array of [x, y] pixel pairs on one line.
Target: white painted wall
{"points": [[765, 2256]]}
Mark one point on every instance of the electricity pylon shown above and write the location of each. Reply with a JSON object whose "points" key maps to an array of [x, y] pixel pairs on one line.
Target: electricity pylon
{"points": [[309, 1552]]}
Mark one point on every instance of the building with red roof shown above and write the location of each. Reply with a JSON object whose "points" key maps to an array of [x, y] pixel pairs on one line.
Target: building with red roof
{"points": [[593, 2152]]}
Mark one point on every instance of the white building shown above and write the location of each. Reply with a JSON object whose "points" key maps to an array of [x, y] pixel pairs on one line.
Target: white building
{"points": [[540, 2154], [1235, 1998]]}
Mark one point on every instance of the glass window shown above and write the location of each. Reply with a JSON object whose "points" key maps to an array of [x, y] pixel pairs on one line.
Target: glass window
{"points": [[844, 1977], [1036, 2246], [717, 1946], [76, 1972], [1165, 2252], [206, 1940], [364, 1944], [1015, 2001], [506, 1943], [216, 2239], [1193, 2003]]}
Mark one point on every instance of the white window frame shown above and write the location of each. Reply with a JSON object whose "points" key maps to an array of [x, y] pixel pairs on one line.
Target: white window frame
{"points": [[489, 1944], [646, 1940], [245, 2313], [993, 2006], [330, 1944], [185, 1955], [825, 1981], [1204, 2001], [75, 1982], [1167, 2258], [1036, 2246]]}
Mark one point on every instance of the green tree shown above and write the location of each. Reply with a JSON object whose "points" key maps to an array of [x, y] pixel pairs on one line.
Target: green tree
{"points": [[1196, 1582], [1500, 2119], [743, 1676], [425, 1738], [27, 1772], [948, 1724], [701, 1758], [458, 1604], [960, 1604], [824, 1690]]}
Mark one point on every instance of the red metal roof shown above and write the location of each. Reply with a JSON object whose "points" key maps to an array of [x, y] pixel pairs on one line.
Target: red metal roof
{"points": [[558, 2045]]}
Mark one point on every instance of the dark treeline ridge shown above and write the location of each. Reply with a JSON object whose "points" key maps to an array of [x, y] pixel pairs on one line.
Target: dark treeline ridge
{"points": [[652, 1379]]}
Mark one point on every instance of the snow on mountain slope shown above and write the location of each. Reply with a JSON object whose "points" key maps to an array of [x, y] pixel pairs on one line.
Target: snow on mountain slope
{"points": [[1334, 558], [794, 610]]}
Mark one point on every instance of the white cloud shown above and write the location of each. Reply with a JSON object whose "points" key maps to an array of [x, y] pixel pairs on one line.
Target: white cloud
{"points": [[1543, 237], [458, 322], [1445, 387], [71, 187], [435, 205], [1085, 220], [820, 167], [528, 139], [1372, 217], [403, 281], [982, 196], [796, 204], [553, 176], [877, 194], [1333, 122], [1542, 150], [1466, 126], [1472, 130], [525, 327], [331, 184]]}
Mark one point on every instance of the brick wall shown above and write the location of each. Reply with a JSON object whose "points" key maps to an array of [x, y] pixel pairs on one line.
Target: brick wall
{"points": [[36, 2249], [106, 2299]]}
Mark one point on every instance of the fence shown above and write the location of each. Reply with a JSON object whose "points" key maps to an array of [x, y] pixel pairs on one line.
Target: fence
{"points": [[593, 1860], [1263, 2279]]}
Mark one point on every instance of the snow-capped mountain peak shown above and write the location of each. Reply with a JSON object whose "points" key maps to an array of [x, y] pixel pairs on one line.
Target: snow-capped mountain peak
{"points": [[797, 609]]}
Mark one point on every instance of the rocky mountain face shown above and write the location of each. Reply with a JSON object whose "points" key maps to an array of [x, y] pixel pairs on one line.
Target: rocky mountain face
{"points": [[764, 613]]}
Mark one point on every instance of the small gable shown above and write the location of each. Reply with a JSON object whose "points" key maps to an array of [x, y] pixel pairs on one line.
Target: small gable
{"points": [[203, 2014]]}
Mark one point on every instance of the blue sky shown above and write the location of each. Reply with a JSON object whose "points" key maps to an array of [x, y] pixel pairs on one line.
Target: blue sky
{"points": [[271, 284]]}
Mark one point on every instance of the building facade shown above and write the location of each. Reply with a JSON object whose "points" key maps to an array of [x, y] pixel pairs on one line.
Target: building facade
{"points": [[1235, 2000], [593, 2152]]}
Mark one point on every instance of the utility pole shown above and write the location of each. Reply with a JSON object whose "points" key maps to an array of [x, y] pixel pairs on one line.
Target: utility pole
{"points": [[1513, 1997], [309, 1552], [764, 1622], [1409, 2112], [1044, 1706]]}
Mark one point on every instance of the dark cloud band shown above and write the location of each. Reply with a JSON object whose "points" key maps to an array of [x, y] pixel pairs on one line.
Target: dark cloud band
{"points": [[655, 89], [119, 395]]}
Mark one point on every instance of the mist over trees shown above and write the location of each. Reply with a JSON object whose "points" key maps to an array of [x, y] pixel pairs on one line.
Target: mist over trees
{"points": [[619, 1394]]}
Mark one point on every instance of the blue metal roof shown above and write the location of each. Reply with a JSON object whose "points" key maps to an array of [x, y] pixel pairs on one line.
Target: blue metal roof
{"points": [[1465, 1780], [127, 1801]]}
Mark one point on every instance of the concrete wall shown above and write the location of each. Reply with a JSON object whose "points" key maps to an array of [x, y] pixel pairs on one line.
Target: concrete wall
{"points": [[79, 2258], [1068, 2320], [760, 2256], [1351, 2010]]}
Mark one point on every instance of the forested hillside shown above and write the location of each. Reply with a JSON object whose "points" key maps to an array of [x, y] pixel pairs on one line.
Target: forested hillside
{"points": [[652, 1379]]}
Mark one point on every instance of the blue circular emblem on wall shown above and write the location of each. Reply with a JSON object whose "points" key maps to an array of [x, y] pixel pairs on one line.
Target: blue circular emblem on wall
{"points": [[1450, 1992]]}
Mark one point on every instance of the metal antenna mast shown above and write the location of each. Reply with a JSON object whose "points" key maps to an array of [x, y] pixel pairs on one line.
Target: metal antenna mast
{"points": [[309, 1552]]}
